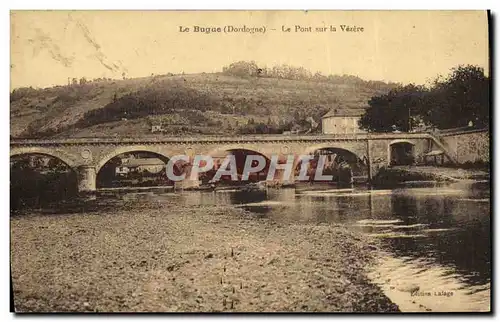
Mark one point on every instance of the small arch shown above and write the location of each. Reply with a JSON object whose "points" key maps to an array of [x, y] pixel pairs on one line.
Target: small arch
{"points": [[402, 141], [401, 152]]}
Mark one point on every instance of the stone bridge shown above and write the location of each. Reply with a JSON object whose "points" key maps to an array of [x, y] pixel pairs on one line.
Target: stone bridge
{"points": [[88, 155]]}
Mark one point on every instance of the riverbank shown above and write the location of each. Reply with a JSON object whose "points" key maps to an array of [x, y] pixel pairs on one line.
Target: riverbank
{"points": [[146, 256], [399, 174]]}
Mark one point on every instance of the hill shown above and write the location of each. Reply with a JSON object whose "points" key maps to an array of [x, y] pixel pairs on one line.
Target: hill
{"points": [[217, 103]]}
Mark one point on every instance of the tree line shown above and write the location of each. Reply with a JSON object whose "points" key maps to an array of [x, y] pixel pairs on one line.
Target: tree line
{"points": [[460, 99], [284, 71]]}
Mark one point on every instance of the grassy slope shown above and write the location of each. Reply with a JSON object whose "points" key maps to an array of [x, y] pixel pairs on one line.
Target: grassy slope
{"points": [[173, 98]]}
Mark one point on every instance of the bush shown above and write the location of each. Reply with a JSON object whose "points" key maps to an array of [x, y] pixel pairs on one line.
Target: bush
{"points": [[151, 101], [22, 92]]}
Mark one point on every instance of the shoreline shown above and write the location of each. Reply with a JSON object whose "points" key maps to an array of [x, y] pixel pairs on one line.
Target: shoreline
{"points": [[403, 174], [204, 259]]}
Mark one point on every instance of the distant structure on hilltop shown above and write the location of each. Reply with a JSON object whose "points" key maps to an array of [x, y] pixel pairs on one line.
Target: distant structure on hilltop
{"points": [[342, 121], [156, 128]]}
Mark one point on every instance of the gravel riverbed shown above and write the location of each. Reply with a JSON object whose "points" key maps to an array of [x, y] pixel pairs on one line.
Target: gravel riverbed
{"points": [[171, 258]]}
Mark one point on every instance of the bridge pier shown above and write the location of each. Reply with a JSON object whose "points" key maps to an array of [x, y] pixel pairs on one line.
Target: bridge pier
{"points": [[280, 179], [369, 160], [187, 182], [86, 179], [280, 182]]}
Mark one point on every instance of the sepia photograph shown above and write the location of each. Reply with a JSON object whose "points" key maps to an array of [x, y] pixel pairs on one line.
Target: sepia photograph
{"points": [[250, 161]]}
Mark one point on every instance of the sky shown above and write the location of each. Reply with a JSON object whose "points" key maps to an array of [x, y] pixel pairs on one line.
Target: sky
{"points": [[48, 47]]}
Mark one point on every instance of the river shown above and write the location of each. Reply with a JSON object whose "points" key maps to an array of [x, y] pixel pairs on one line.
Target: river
{"points": [[436, 253], [435, 240]]}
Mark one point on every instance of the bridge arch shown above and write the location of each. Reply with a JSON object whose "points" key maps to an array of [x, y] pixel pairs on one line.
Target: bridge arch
{"points": [[36, 180], [234, 147], [239, 151], [110, 172], [324, 146], [129, 149], [357, 160], [64, 157]]}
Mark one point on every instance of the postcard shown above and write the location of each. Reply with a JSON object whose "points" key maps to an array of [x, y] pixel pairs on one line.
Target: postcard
{"points": [[250, 161]]}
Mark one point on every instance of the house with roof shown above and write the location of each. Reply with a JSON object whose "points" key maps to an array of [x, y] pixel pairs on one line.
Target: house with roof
{"points": [[342, 121], [131, 165]]}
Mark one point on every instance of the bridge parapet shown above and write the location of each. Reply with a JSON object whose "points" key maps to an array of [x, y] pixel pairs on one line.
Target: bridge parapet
{"points": [[218, 139]]}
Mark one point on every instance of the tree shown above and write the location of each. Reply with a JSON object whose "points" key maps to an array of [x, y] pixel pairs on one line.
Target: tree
{"points": [[56, 165], [242, 69], [453, 101], [395, 108], [461, 97], [296, 116], [270, 122]]}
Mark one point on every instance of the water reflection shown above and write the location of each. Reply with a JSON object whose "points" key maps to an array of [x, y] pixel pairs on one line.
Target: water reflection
{"points": [[456, 233]]}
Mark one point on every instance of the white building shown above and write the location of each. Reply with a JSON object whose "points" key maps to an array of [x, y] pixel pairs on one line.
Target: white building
{"points": [[342, 121], [151, 165]]}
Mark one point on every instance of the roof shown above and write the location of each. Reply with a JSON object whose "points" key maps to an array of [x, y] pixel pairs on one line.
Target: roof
{"points": [[343, 112]]}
